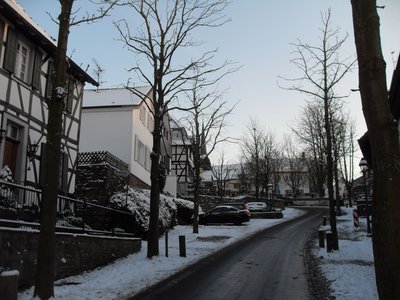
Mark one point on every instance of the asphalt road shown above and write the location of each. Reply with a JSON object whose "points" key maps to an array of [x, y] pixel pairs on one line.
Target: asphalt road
{"points": [[269, 265]]}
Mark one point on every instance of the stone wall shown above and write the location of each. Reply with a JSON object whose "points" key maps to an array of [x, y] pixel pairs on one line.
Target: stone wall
{"points": [[74, 253], [97, 183]]}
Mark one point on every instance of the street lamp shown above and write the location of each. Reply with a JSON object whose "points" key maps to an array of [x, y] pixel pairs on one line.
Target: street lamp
{"points": [[364, 168]]}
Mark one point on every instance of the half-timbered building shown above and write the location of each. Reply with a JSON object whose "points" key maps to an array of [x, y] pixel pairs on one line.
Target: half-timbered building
{"points": [[27, 55], [182, 165]]}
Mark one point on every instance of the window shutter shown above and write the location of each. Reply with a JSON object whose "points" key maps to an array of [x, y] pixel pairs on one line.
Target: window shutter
{"points": [[1, 35], [49, 85], [37, 67], [68, 105], [11, 51], [43, 157]]}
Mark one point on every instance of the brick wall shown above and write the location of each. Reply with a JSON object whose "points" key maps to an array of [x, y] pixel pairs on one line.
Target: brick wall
{"points": [[74, 253]]}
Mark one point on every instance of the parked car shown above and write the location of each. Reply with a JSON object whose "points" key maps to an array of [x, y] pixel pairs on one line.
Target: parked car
{"points": [[225, 214], [257, 206]]}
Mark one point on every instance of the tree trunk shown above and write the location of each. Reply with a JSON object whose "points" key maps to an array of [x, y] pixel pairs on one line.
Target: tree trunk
{"points": [[196, 154], [385, 149], [329, 159], [153, 233], [45, 270]]}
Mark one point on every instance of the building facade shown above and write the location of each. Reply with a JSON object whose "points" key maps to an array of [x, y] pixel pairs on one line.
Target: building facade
{"points": [[27, 55], [120, 122], [182, 165]]}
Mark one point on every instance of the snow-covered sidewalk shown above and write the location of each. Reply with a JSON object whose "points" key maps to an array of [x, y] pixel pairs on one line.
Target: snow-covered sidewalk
{"points": [[130, 275], [351, 269]]}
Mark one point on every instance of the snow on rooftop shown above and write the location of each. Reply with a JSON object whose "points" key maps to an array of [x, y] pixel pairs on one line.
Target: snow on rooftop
{"points": [[18, 8], [113, 97]]}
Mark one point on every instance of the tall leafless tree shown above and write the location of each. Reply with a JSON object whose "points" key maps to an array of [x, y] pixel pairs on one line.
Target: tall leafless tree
{"points": [[162, 40], [223, 172], [251, 146], [45, 269], [322, 69], [205, 122], [259, 149], [348, 149], [309, 130], [383, 134], [294, 168]]}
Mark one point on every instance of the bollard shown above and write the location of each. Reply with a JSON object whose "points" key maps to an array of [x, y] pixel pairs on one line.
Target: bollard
{"points": [[324, 220], [329, 241], [166, 243], [321, 237], [355, 218], [182, 246], [9, 285]]}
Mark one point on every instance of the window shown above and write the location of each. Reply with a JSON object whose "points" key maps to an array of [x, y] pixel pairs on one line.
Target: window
{"points": [[150, 122], [142, 115], [21, 59], [13, 132], [140, 155]]}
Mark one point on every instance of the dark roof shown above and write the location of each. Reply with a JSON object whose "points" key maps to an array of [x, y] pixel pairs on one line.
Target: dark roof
{"points": [[14, 13]]}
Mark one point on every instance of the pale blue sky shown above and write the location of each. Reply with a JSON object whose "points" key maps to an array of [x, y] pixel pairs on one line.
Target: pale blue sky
{"points": [[258, 38]]}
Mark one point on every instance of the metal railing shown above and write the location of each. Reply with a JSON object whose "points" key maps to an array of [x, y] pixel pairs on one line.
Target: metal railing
{"points": [[20, 207]]}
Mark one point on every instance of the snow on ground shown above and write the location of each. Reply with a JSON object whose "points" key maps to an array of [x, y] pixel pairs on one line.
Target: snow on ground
{"points": [[351, 269], [132, 274]]}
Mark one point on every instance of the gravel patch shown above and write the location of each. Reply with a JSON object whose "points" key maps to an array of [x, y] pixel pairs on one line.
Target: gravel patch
{"points": [[318, 285]]}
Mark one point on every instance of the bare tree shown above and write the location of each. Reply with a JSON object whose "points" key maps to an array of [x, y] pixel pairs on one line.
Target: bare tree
{"points": [[45, 269], [205, 122], [244, 176], [251, 145], [260, 153], [383, 135], [322, 70], [348, 150], [164, 35], [309, 130], [223, 173], [294, 170]]}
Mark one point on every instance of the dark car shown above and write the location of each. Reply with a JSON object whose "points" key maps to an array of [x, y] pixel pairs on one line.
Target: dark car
{"points": [[225, 214]]}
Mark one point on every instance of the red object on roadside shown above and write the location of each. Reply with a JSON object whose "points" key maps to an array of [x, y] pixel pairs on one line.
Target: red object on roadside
{"points": [[355, 218]]}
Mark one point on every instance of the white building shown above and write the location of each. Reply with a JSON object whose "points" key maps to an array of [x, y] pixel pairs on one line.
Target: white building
{"points": [[27, 56], [120, 122]]}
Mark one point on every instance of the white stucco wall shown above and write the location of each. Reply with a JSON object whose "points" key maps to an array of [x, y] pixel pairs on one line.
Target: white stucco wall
{"points": [[113, 129], [107, 131]]}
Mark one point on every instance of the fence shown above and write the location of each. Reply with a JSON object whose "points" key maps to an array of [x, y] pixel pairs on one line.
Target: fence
{"points": [[20, 206], [97, 157]]}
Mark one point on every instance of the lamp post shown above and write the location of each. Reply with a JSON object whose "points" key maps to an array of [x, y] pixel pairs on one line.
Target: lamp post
{"points": [[257, 181], [271, 203], [364, 168]]}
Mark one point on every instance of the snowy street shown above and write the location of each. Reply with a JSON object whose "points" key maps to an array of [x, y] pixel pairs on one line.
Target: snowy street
{"points": [[350, 269]]}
